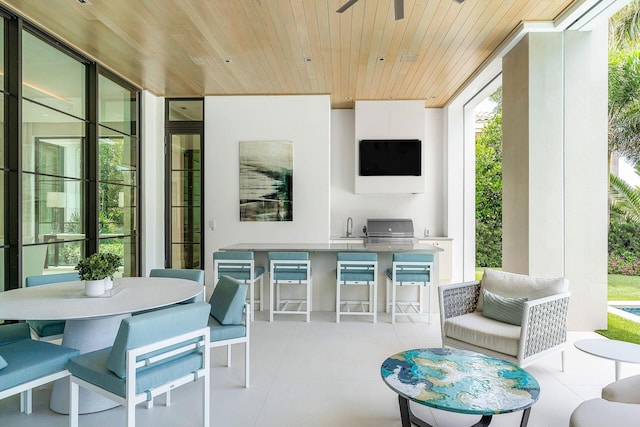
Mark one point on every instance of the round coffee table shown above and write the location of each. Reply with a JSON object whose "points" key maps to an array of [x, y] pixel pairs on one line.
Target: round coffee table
{"points": [[459, 381], [618, 351]]}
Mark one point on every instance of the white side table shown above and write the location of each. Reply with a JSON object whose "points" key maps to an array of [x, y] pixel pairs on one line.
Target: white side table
{"points": [[618, 351]]}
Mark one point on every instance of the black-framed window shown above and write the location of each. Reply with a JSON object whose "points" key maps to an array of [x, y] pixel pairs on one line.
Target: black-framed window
{"points": [[69, 158]]}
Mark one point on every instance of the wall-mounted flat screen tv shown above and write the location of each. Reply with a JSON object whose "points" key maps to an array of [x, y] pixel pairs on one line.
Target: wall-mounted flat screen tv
{"points": [[390, 157]]}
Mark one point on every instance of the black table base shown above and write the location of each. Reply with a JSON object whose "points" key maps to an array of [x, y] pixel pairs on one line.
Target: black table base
{"points": [[408, 418]]}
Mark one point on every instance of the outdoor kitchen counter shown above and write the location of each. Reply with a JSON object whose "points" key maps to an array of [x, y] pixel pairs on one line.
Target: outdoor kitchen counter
{"points": [[331, 247], [323, 268]]}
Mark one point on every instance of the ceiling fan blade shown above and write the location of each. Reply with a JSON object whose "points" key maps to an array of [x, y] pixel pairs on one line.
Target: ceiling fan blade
{"points": [[346, 6], [399, 8]]}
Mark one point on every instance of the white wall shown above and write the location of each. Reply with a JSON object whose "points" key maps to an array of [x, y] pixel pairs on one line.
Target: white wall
{"points": [[305, 120], [426, 209], [152, 158]]}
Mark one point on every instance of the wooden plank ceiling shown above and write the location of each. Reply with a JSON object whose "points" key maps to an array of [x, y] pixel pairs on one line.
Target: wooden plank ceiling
{"points": [[182, 48]]}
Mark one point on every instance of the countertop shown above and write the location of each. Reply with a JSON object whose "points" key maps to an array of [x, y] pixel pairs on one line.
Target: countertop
{"points": [[356, 246]]}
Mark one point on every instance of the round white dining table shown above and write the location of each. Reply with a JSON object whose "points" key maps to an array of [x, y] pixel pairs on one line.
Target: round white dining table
{"points": [[91, 322]]}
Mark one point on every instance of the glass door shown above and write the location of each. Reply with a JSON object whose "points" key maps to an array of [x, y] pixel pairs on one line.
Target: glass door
{"points": [[184, 136]]}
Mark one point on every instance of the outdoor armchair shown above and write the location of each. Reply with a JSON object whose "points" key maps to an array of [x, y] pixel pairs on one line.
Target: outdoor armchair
{"points": [[522, 319]]}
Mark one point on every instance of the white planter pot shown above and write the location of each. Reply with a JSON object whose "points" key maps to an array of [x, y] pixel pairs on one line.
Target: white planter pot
{"points": [[108, 283], [94, 288]]}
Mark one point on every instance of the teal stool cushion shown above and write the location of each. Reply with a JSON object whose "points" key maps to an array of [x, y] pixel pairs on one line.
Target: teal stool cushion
{"points": [[227, 301], [28, 359], [3, 363], [409, 277]]}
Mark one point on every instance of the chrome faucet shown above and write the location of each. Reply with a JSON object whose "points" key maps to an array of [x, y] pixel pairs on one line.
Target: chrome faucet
{"points": [[349, 227]]}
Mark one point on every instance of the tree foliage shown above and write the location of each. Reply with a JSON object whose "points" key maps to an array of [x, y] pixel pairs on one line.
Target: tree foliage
{"points": [[489, 190]]}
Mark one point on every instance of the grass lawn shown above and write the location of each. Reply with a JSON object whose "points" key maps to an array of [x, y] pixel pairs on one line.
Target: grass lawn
{"points": [[622, 288]]}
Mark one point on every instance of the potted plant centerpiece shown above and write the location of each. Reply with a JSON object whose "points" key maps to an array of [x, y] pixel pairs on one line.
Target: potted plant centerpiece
{"points": [[113, 263], [93, 270]]}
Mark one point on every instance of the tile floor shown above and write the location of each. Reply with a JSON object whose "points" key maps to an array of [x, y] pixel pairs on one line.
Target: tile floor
{"points": [[327, 374]]}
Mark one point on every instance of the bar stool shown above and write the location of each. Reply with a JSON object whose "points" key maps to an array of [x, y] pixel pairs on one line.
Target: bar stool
{"points": [[410, 269], [289, 268], [357, 269], [240, 266]]}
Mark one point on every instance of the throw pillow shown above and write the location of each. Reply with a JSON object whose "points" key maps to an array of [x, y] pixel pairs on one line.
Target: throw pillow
{"points": [[503, 309]]}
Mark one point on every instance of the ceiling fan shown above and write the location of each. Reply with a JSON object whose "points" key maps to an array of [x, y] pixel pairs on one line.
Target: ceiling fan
{"points": [[397, 4]]}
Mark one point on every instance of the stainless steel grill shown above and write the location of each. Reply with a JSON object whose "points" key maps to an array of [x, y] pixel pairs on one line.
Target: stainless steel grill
{"points": [[389, 231]]}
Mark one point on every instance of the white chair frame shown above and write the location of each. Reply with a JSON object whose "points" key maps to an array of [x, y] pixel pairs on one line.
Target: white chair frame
{"points": [[132, 399], [415, 306], [26, 396], [243, 263], [228, 343], [274, 289], [372, 303]]}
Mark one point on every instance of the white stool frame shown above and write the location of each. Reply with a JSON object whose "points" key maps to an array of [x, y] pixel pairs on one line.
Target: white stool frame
{"points": [[244, 264], [372, 302], [416, 306], [274, 288]]}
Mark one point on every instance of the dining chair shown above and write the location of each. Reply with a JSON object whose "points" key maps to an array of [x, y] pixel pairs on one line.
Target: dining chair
{"points": [[49, 330], [195, 275], [289, 268], [409, 269], [152, 353], [360, 269], [240, 266], [228, 307], [26, 363]]}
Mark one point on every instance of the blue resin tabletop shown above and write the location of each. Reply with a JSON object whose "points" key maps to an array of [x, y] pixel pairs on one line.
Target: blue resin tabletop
{"points": [[460, 381]]}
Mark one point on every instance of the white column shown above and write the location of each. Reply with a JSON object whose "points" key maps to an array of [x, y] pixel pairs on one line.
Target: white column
{"points": [[554, 165]]}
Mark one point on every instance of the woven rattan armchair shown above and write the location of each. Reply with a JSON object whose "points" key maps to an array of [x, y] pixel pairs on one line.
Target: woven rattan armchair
{"points": [[543, 328]]}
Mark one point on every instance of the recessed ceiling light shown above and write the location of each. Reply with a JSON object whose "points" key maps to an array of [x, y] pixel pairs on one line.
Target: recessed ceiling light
{"points": [[227, 60], [307, 59], [381, 58], [84, 2], [348, 98]]}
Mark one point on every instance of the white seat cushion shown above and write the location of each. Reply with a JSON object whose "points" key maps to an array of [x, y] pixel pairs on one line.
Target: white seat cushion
{"points": [[626, 390], [475, 329], [513, 285], [600, 412]]}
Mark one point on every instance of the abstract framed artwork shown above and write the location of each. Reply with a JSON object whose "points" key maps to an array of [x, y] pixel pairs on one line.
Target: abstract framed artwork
{"points": [[266, 180]]}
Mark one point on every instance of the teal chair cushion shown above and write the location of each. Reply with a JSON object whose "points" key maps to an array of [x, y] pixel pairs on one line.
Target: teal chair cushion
{"points": [[227, 301], [93, 367], [27, 360], [356, 272], [47, 328], [51, 278], [148, 328], [3, 363], [194, 275], [13, 333], [221, 332], [362, 276]]}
